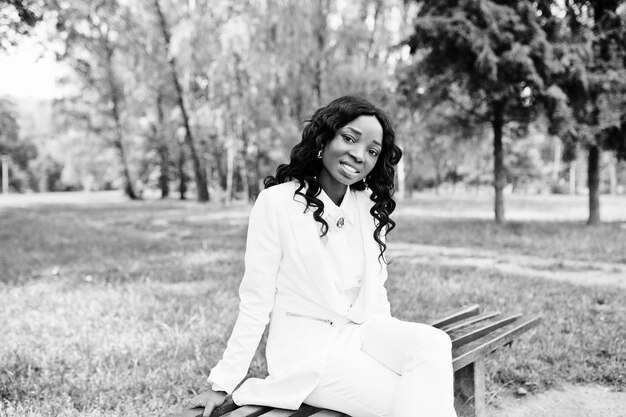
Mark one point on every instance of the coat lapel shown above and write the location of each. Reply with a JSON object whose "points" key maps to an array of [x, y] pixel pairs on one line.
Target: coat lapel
{"points": [[373, 269], [311, 250]]}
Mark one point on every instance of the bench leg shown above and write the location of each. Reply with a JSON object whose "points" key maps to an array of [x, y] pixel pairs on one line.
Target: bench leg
{"points": [[469, 390]]}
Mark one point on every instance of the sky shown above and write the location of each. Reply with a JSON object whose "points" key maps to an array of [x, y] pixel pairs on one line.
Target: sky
{"points": [[25, 73]]}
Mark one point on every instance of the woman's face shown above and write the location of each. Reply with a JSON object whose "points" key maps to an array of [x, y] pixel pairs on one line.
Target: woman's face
{"points": [[352, 154]]}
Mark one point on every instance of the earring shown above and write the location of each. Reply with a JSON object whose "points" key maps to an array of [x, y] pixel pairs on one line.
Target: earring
{"points": [[320, 153]]}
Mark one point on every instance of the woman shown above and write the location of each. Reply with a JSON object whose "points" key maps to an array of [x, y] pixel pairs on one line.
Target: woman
{"points": [[315, 270]]}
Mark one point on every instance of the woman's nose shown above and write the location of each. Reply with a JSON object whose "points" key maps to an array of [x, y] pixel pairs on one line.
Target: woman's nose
{"points": [[357, 155]]}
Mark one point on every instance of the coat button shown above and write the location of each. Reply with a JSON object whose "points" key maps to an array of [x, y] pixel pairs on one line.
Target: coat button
{"points": [[340, 222]]}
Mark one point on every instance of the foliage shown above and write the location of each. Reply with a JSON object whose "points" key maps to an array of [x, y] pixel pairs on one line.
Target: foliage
{"points": [[497, 51], [589, 40], [93, 36], [491, 59], [445, 148], [17, 17], [19, 150], [250, 72], [527, 161]]}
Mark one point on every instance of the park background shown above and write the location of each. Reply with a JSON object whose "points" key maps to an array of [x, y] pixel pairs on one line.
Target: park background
{"points": [[128, 178]]}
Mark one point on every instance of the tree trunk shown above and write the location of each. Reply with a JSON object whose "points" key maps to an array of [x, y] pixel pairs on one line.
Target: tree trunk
{"points": [[612, 162], [182, 176], [128, 186], [163, 150], [249, 150], [256, 182], [250, 172], [369, 57], [245, 177], [201, 182], [572, 177], [593, 182], [164, 180], [556, 163], [230, 170], [437, 177], [118, 140], [4, 160], [497, 124], [321, 15]]}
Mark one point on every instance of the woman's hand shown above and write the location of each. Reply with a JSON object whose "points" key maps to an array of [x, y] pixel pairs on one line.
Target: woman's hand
{"points": [[209, 400]]}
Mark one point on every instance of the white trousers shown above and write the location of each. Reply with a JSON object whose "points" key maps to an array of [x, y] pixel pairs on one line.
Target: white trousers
{"points": [[388, 368]]}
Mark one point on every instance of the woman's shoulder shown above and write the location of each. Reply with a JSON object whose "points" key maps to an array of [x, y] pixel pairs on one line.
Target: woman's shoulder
{"points": [[279, 193], [284, 193]]}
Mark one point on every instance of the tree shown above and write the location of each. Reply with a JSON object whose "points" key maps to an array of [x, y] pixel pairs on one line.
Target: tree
{"points": [[494, 52], [93, 36], [17, 18], [234, 79], [153, 100], [20, 151], [593, 41], [199, 172]]}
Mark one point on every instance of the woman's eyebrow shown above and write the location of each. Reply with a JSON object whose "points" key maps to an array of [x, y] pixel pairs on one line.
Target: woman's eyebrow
{"points": [[358, 132], [355, 130]]}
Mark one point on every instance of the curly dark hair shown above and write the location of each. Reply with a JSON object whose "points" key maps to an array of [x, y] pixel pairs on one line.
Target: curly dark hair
{"points": [[305, 166]]}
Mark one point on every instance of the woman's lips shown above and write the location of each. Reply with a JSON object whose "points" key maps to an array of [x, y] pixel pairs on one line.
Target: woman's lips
{"points": [[349, 168]]}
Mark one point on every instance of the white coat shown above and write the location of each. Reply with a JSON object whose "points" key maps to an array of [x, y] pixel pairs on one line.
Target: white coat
{"points": [[288, 277]]}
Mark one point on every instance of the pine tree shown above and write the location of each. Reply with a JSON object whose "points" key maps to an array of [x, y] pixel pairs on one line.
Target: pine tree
{"points": [[494, 52], [594, 38]]}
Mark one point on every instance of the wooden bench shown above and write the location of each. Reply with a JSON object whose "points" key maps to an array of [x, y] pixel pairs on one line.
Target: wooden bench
{"points": [[474, 336]]}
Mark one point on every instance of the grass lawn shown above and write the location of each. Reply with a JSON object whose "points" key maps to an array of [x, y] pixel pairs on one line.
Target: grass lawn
{"points": [[122, 308], [547, 226]]}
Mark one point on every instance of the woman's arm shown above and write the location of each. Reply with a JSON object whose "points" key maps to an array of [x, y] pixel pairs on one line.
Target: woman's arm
{"points": [[257, 290]]}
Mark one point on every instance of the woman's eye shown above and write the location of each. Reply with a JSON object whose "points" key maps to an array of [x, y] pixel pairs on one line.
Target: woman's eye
{"points": [[373, 152], [348, 138]]}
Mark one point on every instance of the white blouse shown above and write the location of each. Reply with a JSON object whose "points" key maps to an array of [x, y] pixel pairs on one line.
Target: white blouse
{"points": [[344, 244]]}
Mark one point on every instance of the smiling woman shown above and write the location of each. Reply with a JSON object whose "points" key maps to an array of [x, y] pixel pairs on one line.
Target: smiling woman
{"points": [[350, 156], [315, 265], [330, 125]]}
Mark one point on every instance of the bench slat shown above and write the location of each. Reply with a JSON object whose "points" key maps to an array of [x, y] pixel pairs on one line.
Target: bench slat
{"points": [[228, 406], [469, 353], [328, 413], [456, 315], [279, 412], [248, 411], [470, 321], [305, 410], [458, 341]]}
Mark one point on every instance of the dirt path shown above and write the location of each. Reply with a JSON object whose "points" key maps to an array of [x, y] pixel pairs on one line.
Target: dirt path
{"points": [[573, 271], [571, 401]]}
